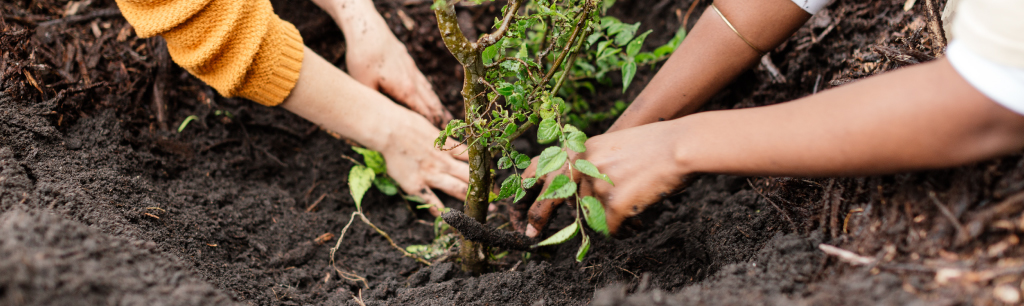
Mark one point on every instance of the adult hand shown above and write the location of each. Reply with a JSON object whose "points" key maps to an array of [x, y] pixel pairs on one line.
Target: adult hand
{"points": [[417, 166], [376, 58], [642, 163]]}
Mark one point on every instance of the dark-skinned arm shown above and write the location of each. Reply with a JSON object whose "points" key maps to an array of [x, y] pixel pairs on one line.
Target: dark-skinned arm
{"points": [[711, 56]]}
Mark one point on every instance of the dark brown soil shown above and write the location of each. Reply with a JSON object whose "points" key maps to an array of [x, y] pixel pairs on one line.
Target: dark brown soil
{"points": [[100, 205]]}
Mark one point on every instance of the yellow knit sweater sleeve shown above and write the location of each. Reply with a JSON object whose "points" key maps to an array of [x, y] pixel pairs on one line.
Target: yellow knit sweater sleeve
{"points": [[239, 47]]}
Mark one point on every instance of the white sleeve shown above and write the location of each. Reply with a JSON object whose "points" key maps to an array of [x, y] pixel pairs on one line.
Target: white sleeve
{"points": [[811, 6], [1001, 83]]}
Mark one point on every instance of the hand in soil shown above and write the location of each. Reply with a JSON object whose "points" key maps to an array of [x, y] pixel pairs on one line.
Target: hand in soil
{"points": [[376, 58], [643, 173], [417, 166]]}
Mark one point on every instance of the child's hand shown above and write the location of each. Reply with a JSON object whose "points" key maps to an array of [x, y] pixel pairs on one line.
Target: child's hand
{"points": [[640, 161]]}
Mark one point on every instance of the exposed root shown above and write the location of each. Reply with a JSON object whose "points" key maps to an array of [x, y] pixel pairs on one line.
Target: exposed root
{"points": [[475, 231]]}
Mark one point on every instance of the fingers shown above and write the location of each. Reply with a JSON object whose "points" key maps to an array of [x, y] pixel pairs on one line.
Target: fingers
{"points": [[457, 150], [459, 170], [540, 213], [449, 184], [428, 196]]}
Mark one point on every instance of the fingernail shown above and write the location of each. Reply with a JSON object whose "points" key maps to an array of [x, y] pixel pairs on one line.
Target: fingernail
{"points": [[531, 231], [492, 208]]}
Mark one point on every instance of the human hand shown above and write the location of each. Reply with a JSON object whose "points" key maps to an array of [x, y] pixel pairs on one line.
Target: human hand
{"points": [[417, 166], [640, 161], [376, 58]]}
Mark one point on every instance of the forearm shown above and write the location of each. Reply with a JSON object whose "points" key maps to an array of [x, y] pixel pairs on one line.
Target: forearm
{"points": [[921, 117], [711, 56], [330, 98]]}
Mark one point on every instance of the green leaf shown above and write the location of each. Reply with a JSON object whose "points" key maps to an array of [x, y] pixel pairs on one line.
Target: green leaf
{"points": [[520, 193], [522, 161], [551, 159], [548, 131], [634, 46], [373, 160], [576, 139], [562, 235], [509, 187], [489, 53], [593, 211], [506, 90], [588, 168], [386, 185], [504, 162], [359, 179], [584, 248], [628, 71], [561, 187], [527, 183], [510, 129], [626, 34]]}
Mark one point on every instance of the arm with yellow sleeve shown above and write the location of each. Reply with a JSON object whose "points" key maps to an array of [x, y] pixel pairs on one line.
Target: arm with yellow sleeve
{"points": [[242, 49]]}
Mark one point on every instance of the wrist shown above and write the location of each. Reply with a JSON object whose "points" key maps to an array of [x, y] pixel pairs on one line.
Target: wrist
{"points": [[356, 18]]}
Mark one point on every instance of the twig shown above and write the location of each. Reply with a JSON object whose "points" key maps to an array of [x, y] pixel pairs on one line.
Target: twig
{"points": [[834, 214], [102, 13], [935, 25], [689, 11], [315, 203], [960, 232], [163, 64], [777, 76], [489, 39], [846, 256], [392, 242], [781, 212]]}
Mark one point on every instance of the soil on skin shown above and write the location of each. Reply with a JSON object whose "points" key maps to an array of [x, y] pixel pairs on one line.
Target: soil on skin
{"points": [[100, 205]]}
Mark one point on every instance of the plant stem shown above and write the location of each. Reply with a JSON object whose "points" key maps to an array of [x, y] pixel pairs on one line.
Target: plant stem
{"points": [[469, 55]]}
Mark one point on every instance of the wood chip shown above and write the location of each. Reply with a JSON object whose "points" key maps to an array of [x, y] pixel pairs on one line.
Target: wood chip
{"points": [[406, 21]]}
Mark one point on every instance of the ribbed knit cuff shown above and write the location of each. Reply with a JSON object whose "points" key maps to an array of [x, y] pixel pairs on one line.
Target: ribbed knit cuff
{"points": [[285, 72]]}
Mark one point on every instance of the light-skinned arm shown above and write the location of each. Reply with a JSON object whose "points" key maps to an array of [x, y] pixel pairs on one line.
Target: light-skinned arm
{"points": [[376, 58], [330, 98]]}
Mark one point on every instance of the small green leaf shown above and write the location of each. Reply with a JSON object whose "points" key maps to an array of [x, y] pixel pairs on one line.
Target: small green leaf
{"points": [[584, 248], [627, 33], [634, 46], [386, 185], [547, 131], [373, 160], [506, 90], [576, 139], [509, 187], [489, 53], [416, 199], [551, 159], [628, 71], [561, 187], [491, 197], [359, 179], [562, 235], [504, 162], [588, 168], [519, 195], [527, 183], [522, 161], [593, 211]]}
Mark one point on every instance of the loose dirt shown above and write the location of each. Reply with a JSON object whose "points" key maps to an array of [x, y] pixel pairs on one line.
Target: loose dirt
{"points": [[100, 205]]}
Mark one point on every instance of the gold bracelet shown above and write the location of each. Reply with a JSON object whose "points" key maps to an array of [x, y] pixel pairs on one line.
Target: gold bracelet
{"points": [[758, 50]]}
